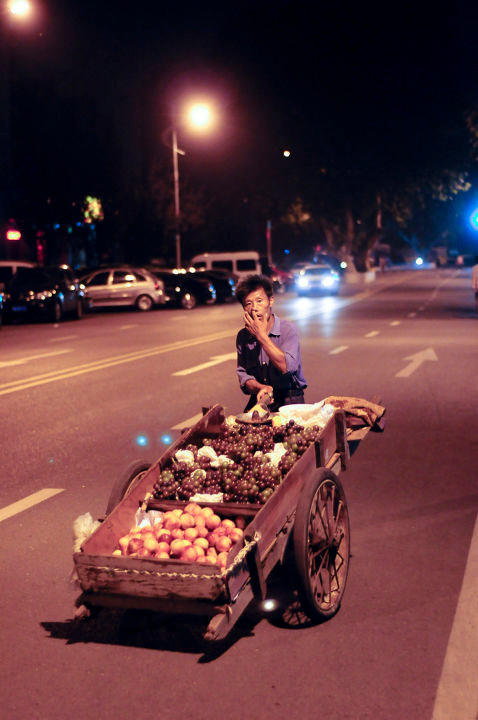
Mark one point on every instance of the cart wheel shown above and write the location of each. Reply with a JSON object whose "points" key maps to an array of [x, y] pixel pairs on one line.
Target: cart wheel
{"points": [[126, 483], [322, 545]]}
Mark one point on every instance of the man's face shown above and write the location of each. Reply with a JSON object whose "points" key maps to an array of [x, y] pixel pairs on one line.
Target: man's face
{"points": [[258, 301]]}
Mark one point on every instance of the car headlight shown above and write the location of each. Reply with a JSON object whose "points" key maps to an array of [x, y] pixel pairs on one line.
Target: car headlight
{"points": [[328, 281], [302, 281], [44, 294]]}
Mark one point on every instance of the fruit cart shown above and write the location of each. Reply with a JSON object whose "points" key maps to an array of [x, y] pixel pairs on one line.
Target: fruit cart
{"points": [[306, 514]]}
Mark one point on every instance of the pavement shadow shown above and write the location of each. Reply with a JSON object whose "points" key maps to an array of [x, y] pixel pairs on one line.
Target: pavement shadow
{"points": [[184, 633]]}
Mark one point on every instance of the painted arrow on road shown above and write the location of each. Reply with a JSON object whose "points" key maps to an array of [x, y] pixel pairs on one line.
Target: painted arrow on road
{"points": [[215, 360], [415, 361]]}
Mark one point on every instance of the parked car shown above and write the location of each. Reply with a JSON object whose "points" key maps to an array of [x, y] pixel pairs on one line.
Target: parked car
{"points": [[8, 268], [124, 286], [43, 293], [224, 283], [317, 279], [241, 263], [183, 289]]}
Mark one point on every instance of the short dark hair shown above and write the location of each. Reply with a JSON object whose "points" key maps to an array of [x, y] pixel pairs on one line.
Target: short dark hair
{"points": [[251, 283]]}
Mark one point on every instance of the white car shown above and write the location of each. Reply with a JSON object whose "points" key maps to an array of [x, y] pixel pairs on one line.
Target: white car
{"points": [[120, 286], [317, 279]]}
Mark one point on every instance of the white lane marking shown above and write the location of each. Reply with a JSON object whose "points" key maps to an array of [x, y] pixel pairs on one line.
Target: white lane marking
{"points": [[22, 361], [63, 337], [457, 694], [412, 314], [338, 349], [372, 333], [215, 360], [415, 361], [54, 376], [394, 323], [187, 423], [28, 502], [127, 327]]}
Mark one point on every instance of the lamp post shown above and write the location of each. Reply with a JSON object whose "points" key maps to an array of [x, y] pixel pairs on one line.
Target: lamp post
{"points": [[199, 117], [13, 14]]}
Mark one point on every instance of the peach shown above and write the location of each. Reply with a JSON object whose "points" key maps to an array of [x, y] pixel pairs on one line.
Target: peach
{"points": [[143, 552], [162, 555], [186, 521], [118, 552], [213, 521], [191, 533], [134, 545], [202, 531], [177, 511], [177, 546], [207, 511], [164, 535], [223, 544], [201, 542], [123, 543], [200, 520], [171, 523], [222, 559], [236, 534], [200, 551], [150, 543], [192, 508], [177, 534], [163, 547], [228, 524], [189, 554]]}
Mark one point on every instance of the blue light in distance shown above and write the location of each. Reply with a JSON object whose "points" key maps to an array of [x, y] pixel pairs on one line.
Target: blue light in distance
{"points": [[166, 439], [419, 261], [474, 219], [286, 252], [141, 440]]}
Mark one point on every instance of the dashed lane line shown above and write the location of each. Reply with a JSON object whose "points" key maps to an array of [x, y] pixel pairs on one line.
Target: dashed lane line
{"points": [[372, 333], [38, 356], [27, 502], [62, 338], [394, 323], [339, 349]]}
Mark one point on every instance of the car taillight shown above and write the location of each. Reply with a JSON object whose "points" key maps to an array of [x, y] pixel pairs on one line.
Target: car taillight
{"points": [[158, 285]]}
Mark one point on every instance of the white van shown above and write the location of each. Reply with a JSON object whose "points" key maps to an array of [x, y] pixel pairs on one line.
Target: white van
{"points": [[242, 264]]}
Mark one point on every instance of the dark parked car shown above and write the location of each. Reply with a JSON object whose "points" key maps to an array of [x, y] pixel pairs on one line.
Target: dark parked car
{"points": [[224, 283], [185, 289], [47, 293]]}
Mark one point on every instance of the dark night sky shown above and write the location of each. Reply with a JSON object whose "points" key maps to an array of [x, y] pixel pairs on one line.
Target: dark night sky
{"points": [[378, 87]]}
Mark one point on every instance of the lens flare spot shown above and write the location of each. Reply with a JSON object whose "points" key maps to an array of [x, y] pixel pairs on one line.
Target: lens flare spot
{"points": [[142, 440], [166, 439]]}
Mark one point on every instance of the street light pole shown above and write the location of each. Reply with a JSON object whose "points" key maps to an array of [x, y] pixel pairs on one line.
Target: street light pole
{"points": [[176, 196]]}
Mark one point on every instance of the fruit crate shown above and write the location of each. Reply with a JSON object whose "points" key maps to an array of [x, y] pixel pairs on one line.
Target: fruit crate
{"points": [[309, 505]]}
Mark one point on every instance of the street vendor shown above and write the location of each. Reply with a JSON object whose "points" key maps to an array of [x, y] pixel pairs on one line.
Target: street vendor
{"points": [[268, 352]]}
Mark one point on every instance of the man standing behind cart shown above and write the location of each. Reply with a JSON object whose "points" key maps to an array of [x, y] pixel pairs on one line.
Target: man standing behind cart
{"points": [[268, 352]]}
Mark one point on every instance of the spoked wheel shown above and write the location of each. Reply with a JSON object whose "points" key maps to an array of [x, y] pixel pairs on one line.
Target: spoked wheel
{"points": [[126, 482], [322, 545]]}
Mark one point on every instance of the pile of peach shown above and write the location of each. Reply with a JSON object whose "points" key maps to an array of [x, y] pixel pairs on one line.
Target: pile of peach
{"points": [[195, 534]]}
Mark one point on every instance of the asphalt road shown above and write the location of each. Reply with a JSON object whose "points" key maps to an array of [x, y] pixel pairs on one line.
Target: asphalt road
{"points": [[81, 400]]}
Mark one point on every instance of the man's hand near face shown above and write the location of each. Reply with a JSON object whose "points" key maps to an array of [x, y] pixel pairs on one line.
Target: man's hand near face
{"points": [[256, 325]]}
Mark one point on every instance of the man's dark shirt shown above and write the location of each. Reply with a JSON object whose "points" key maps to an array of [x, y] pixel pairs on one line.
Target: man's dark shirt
{"points": [[253, 362]]}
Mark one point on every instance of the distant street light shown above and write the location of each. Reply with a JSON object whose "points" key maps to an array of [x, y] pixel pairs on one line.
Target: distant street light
{"points": [[286, 153], [20, 8], [200, 117]]}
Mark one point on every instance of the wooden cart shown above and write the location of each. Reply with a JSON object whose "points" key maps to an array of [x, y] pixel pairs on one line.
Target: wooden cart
{"points": [[308, 508]]}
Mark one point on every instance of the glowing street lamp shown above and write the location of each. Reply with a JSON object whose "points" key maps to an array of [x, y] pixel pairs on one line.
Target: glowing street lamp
{"points": [[20, 8], [200, 117]]}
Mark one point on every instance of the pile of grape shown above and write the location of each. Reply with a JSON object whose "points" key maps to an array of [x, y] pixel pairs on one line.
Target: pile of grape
{"points": [[249, 478]]}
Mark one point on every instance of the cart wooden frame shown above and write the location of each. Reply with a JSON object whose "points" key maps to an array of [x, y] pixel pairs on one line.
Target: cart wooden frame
{"points": [[310, 504]]}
